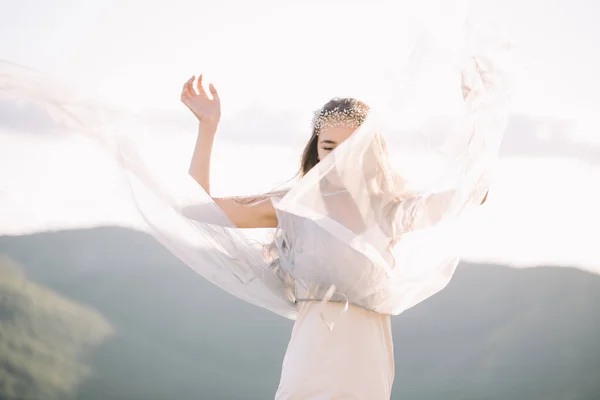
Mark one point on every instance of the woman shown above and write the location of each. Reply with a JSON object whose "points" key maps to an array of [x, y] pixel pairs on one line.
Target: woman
{"points": [[355, 359], [349, 250]]}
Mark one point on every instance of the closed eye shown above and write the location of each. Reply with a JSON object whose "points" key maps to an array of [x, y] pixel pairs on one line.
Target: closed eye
{"points": [[328, 143]]}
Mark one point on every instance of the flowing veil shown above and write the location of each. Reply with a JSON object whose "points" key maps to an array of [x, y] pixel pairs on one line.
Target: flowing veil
{"points": [[376, 223]]}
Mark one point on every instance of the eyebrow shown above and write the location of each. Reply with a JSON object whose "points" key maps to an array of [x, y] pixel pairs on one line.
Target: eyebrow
{"points": [[328, 141]]}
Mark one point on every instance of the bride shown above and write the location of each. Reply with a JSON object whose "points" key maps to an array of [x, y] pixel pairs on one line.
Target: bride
{"points": [[355, 359], [354, 241]]}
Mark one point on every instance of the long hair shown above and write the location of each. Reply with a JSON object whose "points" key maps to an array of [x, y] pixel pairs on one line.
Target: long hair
{"points": [[386, 189], [383, 184], [339, 108]]}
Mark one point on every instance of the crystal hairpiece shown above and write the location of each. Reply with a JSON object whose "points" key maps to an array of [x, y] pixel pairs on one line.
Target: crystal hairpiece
{"points": [[349, 117]]}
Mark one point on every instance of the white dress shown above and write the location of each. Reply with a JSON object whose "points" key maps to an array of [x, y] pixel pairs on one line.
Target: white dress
{"points": [[354, 360], [335, 351]]}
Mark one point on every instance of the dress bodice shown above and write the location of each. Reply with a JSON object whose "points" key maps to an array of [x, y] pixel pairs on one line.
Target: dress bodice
{"points": [[318, 259]]}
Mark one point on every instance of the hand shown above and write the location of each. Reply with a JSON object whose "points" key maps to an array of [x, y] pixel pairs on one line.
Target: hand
{"points": [[206, 109]]}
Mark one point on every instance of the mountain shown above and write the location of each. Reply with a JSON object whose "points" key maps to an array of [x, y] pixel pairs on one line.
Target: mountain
{"points": [[44, 339], [493, 333]]}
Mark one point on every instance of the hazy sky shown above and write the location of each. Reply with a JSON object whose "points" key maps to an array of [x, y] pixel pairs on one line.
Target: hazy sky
{"points": [[286, 54]]}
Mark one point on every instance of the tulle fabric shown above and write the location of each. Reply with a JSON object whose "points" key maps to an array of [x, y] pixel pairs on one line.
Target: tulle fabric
{"points": [[375, 224]]}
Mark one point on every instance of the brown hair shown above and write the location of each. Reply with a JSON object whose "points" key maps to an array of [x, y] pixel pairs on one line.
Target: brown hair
{"points": [[354, 110], [386, 187], [348, 109]]}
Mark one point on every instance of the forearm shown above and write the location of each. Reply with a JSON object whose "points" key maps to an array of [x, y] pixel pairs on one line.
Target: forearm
{"points": [[200, 164]]}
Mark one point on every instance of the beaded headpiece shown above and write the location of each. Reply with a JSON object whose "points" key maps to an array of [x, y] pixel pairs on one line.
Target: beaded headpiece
{"points": [[348, 117]]}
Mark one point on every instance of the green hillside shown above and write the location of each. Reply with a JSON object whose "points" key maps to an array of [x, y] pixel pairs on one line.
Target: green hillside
{"points": [[44, 338]]}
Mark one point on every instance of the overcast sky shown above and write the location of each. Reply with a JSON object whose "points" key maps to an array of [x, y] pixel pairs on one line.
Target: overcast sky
{"points": [[286, 54]]}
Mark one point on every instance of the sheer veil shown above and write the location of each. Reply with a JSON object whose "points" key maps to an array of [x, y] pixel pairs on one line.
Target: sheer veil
{"points": [[375, 224]]}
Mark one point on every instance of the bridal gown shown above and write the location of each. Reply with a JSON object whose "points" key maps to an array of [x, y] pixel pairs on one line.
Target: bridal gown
{"points": [[336, 350], [354, 360]]}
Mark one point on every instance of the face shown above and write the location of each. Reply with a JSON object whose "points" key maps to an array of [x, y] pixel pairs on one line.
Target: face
{"points": [[330, 137]]}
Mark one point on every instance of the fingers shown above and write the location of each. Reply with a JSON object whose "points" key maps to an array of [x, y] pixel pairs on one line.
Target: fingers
{"points": [[185, 92], [190, 87], [199, 86], [190, 90], [214, 93]]}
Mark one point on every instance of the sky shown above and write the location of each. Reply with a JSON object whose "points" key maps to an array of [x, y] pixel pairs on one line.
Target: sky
{"points": [[270, 53], [278, 61]]}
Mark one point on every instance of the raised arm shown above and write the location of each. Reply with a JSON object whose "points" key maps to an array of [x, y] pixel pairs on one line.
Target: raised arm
{"points": [[426, 210], [244, 212]]}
